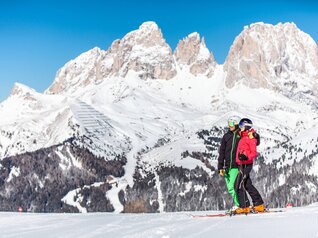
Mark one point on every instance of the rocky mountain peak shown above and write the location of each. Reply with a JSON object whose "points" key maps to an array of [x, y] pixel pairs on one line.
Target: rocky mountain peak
{"points": [[192, 52], [273, 56], [148, 35], [19, 90], [78, 73], [148, 27], [187, 49], [143, 51]]}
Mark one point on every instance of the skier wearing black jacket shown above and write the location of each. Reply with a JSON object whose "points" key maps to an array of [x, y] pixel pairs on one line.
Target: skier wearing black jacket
{"points": [[227, 165]]}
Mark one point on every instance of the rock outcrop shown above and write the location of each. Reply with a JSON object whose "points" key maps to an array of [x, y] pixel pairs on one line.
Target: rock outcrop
{"points": [[280, 57], [193, 54], [143, 51]]}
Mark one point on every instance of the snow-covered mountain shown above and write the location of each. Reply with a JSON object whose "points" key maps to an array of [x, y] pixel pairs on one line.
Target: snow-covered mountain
{"points": [[31, 120], [193, 54], [136, 128], [280, 58], [144, 51]]}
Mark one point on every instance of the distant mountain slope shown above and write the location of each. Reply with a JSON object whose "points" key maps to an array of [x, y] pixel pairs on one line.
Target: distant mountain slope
{"points": [[148, 123]]}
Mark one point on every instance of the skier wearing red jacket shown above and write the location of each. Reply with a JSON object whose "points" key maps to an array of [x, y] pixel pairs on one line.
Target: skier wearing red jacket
{"points": [[245, 155]]}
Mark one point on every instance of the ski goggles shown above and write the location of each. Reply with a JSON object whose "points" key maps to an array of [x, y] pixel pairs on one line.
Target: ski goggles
{"points": [[243, 124], [232, 123]]}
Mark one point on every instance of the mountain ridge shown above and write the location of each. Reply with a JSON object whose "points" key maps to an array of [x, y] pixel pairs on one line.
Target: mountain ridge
{"points": [[114, 104]]}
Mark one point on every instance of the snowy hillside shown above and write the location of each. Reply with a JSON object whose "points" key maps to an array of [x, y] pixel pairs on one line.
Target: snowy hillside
{"points": [[294, 223], [144, 135], [31, 120]]}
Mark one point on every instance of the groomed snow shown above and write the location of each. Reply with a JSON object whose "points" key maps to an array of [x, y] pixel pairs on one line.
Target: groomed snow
{"points": [[294, 223]]}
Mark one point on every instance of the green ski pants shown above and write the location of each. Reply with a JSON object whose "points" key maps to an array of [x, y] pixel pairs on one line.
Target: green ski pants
{"points": [[230, 178]]}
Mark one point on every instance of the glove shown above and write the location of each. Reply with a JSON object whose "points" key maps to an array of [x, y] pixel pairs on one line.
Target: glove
{"points": [[242, 157], [222, 172]]}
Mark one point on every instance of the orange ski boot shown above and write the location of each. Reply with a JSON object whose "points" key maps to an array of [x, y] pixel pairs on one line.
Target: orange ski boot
{"points": [[242, 210], [259, 208]]}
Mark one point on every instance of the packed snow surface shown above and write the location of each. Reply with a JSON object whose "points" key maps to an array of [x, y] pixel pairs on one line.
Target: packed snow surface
{"points": [[293, 223]]}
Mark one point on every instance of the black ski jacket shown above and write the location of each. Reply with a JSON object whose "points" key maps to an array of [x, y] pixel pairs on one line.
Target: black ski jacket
{"points": [[227, 150]]}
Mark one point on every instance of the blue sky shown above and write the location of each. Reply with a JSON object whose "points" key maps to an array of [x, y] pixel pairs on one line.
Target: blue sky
{"points": [[39, 37]]}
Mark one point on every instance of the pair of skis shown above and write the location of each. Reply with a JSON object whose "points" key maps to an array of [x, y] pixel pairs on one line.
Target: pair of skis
{"points": [[229, 214]]}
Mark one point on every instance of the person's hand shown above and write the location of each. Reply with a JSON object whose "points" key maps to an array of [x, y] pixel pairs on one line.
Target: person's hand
{"points": [[242, 157], [222, 172]]}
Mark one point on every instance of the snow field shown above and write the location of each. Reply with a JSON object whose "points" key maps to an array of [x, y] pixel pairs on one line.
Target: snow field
{"points": [[294, 223]]}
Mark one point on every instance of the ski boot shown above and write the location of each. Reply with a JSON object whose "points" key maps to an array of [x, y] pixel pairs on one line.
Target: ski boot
{"points": [[259, 208], [242, 210]]}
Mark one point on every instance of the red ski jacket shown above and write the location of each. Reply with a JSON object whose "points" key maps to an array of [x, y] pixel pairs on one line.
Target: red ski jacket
{"points": [[246, 146]]}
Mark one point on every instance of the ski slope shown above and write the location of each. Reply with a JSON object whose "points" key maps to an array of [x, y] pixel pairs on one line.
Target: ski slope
{"points": [[294, 223]]}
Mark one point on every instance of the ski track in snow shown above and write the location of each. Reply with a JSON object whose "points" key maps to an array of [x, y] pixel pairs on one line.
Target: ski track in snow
{"points": [[294, 223]]}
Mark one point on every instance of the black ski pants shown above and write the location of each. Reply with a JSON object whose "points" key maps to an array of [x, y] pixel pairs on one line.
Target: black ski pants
{"points": [[243, 184]]}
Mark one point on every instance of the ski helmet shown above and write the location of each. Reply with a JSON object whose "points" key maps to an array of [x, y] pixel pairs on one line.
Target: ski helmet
{"points": [[247, 123], [233, 121]]}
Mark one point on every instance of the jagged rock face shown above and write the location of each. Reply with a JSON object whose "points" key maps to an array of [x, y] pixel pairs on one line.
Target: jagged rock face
{"points": [[21, 90], [25, 93], [86, 69], [271, 57], [193, 53], [144, 51]]}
